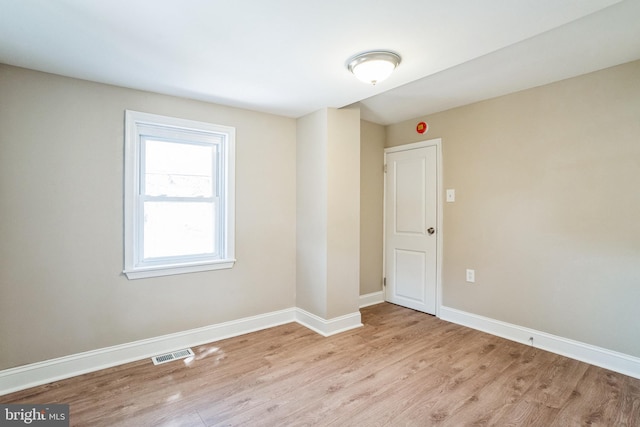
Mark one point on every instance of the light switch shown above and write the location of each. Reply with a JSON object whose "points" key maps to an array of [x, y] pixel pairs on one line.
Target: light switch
{"points": [[451, 195]]}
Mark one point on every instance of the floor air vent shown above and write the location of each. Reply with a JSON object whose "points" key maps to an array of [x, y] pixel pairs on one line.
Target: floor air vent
{"points": [[176, 355]]}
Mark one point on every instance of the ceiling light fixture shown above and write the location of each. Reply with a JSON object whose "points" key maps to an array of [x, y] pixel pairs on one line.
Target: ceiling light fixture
{"points": [[373, 67]]}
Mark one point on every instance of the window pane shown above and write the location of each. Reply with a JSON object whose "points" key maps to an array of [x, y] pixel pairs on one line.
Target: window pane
{"points": [[178, 229], [178, 170]]}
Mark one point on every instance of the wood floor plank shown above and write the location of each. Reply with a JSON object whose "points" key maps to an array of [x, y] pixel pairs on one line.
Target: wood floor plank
{"points": [[188, 419], [356, 390], [296, 374], [461, 390], [600, 399], [402, 368], [381, 350], [505, 391], [557, 382], [528, 413], [630, 402]]}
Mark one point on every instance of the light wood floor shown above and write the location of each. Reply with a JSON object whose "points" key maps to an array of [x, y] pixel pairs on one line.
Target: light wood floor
{"points": [[403, 368]]}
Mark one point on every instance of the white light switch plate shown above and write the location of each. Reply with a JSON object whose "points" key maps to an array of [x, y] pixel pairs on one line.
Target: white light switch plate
{"points": [[451, 195]]}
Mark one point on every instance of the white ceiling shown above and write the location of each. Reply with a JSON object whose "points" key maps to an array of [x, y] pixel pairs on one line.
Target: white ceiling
{"points": [[288, 57]]}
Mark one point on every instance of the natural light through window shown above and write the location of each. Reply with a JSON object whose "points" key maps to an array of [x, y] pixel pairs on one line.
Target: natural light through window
{"points": [[179, 196], [179, 207]]}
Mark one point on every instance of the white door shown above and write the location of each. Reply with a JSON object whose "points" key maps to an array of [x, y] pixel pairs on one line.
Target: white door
{"points": [[411, 235]]}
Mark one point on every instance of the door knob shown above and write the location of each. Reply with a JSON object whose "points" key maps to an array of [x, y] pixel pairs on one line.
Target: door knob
{"points": [[431, 230]]}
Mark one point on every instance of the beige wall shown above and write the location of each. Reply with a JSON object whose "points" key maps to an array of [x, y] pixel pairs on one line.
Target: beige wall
{"points": [[61, 167], [311, 190], [548, 207], [343, 212], [328, 212], [372, 139]]}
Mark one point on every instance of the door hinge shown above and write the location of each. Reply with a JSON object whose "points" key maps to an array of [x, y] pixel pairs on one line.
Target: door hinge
{"points": [[384, 282], [385, 168]]}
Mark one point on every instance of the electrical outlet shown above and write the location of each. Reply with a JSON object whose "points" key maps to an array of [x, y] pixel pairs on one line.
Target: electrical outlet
{"points": [[471, 276]]}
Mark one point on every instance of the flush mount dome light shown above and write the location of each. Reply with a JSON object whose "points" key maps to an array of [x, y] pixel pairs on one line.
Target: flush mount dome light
{"points": [[373, 67]]}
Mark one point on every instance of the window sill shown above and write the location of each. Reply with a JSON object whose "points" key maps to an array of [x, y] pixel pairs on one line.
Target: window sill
{"points": [[170, 270]]}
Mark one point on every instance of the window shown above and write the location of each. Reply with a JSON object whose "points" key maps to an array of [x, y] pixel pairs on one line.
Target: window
{"points": [[179, 196]]}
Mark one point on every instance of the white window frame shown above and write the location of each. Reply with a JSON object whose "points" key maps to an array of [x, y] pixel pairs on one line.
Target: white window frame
{"points": [[140, 125]]}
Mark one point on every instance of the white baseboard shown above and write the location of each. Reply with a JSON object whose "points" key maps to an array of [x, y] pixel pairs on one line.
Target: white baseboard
{"points": [[371, 299], [34, 374], [608, 359], [328, 327]]}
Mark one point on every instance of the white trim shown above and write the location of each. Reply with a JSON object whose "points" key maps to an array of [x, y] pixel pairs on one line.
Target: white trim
{"points": [[608, 359], [35, 374], [329, 327], [371, 299], [139, 126], [146, 272], [414, 145], [437, 142]]}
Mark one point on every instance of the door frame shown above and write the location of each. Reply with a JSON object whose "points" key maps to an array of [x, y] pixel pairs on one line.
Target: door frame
{"points": [[437, 142]]}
